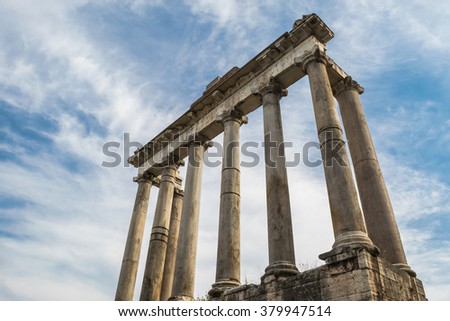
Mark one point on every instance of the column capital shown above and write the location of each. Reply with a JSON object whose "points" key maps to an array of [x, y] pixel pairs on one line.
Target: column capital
{"points": [[347, 83], [178, 181], [173, 161], [201, 140], [315, 55], [233, 115], [146, 177], [273, 87], [178, 192]]}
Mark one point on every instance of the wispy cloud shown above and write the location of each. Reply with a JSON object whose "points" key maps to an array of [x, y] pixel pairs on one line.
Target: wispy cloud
{"points": [[72, 78]]}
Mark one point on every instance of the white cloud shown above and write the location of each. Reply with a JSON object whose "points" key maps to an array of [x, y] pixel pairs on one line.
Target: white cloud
{"points": [[231, 15], [74, 221], [415, 194], [139, 6], [64, 235], [60, 60]]}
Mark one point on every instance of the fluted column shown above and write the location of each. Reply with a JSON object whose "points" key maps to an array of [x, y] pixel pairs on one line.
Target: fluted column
{"points": [[228, 249], [184, 278], [279, 221], [151, 286], [376, 204], [169, 266], [348, 223], [130, 262]]}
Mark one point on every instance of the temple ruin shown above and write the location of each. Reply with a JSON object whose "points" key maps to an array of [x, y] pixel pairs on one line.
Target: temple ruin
{"points": [[367, 260]]}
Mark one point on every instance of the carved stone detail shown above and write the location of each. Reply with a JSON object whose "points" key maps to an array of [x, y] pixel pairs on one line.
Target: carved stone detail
{"points": [[199, 139], [317, 55], [217, 95], [174, 162], [347, 84], [235, 115], [272, 87], [147, 177], [298, 22]]}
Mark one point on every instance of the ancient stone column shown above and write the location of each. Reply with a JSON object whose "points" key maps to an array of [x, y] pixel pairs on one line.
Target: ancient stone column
{"points": [[279, 221], [157, 249], [169, 266], [376, 204], [228, 249], [348, 223], [130, 262], [184, 277]]}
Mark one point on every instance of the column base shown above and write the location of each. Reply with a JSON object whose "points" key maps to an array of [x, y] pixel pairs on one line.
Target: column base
{"points": [[279, 269], [181, 298], [406, 268], [350, 238], [220, 286], [346, 243]]}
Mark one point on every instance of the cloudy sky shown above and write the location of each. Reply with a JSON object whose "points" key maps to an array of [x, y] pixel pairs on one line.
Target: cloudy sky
{"points": [[76, 74]]}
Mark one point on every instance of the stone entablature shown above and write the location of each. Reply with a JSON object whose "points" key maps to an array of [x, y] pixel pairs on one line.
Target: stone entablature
{"points": [[238, 88]]}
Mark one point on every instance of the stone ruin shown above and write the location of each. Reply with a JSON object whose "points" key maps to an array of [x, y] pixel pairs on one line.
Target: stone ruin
{"points": [[367, 260]]}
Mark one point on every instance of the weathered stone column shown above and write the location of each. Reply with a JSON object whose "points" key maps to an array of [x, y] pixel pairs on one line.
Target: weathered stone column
{"points": [[228, 249], [279, 221], [130, 262], [151, 286], [184, 278], [348, 223], [376, 204], [169, 267]]}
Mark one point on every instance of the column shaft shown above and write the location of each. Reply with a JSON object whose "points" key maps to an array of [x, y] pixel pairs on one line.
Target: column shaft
{"points": [[228, 249], [376, 204], [184, 278], [348, 223], [151, 286], [279, 221], [130, 262], [169, 266]]}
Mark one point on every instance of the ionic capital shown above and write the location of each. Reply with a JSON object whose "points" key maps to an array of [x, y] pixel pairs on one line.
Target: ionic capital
{"points": [[178, 192], [200, 140], [233, 115], [173, 161], [146, 177], [347, 84], [273, 87], [317, 55]]}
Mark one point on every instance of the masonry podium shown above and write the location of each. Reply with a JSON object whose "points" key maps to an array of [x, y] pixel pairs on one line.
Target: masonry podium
{"points": [[367, 260]]}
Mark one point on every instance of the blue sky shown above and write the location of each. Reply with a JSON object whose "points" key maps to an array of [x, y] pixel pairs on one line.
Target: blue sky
{"points": [[77, 74]]}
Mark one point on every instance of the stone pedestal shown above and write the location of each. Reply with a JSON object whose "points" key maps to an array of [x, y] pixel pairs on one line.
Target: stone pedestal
{"points": [[357, 275], [130, 262]]}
